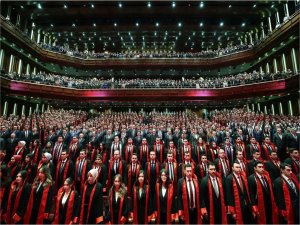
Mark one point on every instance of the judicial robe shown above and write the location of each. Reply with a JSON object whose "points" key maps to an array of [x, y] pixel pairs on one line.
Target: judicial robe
{"points": [[295, 166], [62, 174], [67, 213], [266, 149], [31, 169], [198, 151], [159, 154], [17, 201], [211, 204], [141, 205], [262, 199], [102, 174], [111, 171], [165, 205], [37, 154], [238, 201], [117, 209], [183, 202], [273, 169], [39, 205], [91, 207], [132, 176], [126, 154], [287, 200]]}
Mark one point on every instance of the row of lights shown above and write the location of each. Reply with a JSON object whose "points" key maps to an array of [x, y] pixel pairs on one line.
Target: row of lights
{"points": [[137, 24]]}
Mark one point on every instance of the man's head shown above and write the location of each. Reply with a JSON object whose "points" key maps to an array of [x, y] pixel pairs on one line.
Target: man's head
{"points": [[259, 167], [236, 168], [152, 155], [286, 169], [256, 155], [221, 153], [273, 155], [212, 169], [204, 159], [134, 158], [116, 155], [294, 153], [188, 171]]}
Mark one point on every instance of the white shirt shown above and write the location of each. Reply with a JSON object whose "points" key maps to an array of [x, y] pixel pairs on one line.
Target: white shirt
{"points": [[193, 189], [163, 191]]}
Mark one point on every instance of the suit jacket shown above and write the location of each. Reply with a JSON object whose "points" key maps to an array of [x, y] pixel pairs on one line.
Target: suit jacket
{"points": [[295, 166], [293, 141], [273, 169]]}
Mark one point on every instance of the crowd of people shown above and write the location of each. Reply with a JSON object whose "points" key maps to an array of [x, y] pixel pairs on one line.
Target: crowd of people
{"points": [[145, 54], [116, 83], [236, 166]]}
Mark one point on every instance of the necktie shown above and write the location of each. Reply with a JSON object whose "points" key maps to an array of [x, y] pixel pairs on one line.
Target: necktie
{"points": [[204, 169], [80, 169], [133, 169], [171, 171], [292, 185], [241, 183], [225, 167], [192, 204], [62, 165], [116, 167], [215, 186], [264, 182]]}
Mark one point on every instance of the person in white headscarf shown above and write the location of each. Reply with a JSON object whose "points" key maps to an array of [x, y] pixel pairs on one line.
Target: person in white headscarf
{"points": [[91, 208], [46, 161]]}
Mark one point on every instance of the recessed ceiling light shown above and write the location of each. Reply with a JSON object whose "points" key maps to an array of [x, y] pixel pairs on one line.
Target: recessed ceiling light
{"points": [[254, 5], [201, 24], [65, 6], [149, 4], [39, 6], [201, 5], [229, 6], [157, 24], [94, 24], [115, 24], [243, 24], [221, 24], [173, 4], [179, 24], [137, 24], [120, 5]]}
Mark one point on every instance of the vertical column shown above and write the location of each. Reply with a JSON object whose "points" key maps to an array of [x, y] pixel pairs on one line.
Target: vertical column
{"points": [[11, 63], [20, 66], [250, 36], [5, 108], [43, 108], [45, 38], [261, 69], [269, 25], [18, 20], [262, 30], [283, 62], [32, 34], [30, 111], [37, 108], [258, 107], [23, 110], [256, 35], [48, 108], [280, 108], [8, 12], [267, 68], [248, 108], [265, 109], [286, 12], [2, 53], [275, 65], [28, 69], [15, 109], [49, 40], [294, 61], [34, 71], [272, 109], [290, 108], [277, 19], [38, 36], [253, 108]]}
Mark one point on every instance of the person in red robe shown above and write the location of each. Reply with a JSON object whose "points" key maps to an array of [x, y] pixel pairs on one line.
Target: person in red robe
{"points": [[165, 204], [40, 200], [67, 204], [262, 197], [17, 199], [117, 202], [213, 206]]}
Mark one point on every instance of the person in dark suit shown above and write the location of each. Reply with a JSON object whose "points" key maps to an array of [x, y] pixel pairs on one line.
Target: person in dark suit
{"points": [[116, 166], [201, 170], [67, 204], [82, 166], [26, 135], [222, 164], [152, 169], [212, 198], [11, 145], [102, 170], [262, 197], [286, 192], [280, 142], [64, 169], [273, 166], [129, 149], [17, 199], [255, 157], [293, 139], [237, 196], [293, 160], [188, 196]]}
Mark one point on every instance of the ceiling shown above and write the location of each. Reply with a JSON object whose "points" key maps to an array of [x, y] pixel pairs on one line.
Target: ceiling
{"points": [[145, 25]]}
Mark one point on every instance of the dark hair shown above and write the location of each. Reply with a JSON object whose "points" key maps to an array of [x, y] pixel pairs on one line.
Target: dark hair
{"points": [[5, 178], [211, 164], [69, 180], [23, 174], [283, 165], [137, 178], [168, 182], [187, 165], [30, 156], [291, 150], [257, 162]]}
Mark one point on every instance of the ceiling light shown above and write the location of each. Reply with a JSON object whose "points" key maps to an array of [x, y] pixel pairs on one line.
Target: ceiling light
{"points": [[94, 24], [221, 24], [157, 24], [39, 6], [243, 24], [201, 4], [149, 4], [173, 4], [254, 5], [120, 5], [51, 25], [179, 24], [229, 6], [73, 25], [92, 5], [65, 6], [115, 24], [137, 24], [22, 7], [201, 24]]}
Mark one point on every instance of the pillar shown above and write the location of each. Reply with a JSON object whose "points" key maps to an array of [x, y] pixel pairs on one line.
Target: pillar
{"points": [[23, 110], [272, 109], [18, 20], [32, 34], [294, 61], [2, 53], [265, 109], [28, 69], [280, 109], [45, 39], [8, 12], [277, 19], [248, 108], [283, 62], [250, 36], [267, 68], [256, 36], [43, 108], [11, 63], [5, 108], [262, 30], [38, 36], [275, 65], [34, 71], [253, 108], [30, 111], [269, 25], [20, 66], [48, 108], [286, 12], [258, 107], [37, 108], [261, 69], [290, 108], [15, 109], [129, 110]]}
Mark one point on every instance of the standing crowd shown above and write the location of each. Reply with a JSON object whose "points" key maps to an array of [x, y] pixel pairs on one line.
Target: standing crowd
{"points": [[65, 167]]}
